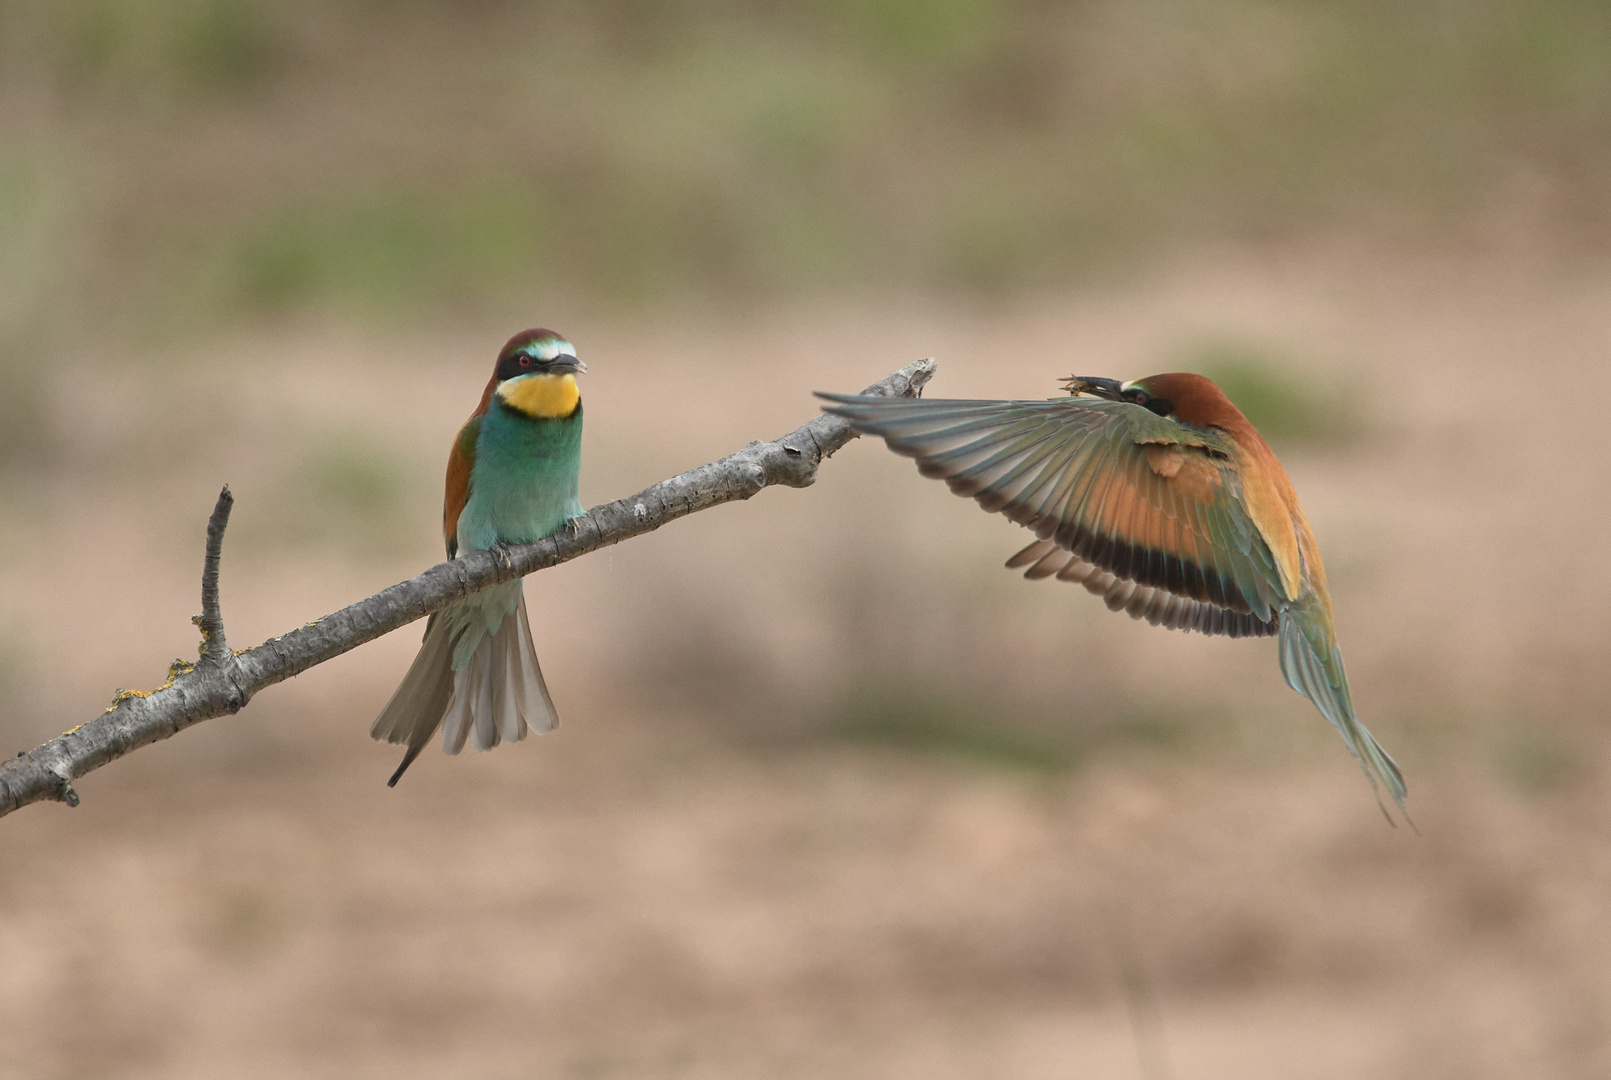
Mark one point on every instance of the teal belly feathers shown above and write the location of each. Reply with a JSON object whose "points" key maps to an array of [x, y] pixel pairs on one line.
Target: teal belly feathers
{"points": [[523, 484], [523, 487]]}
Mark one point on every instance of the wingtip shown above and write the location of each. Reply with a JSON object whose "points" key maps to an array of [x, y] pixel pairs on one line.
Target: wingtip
{"points": [[837, 400]]}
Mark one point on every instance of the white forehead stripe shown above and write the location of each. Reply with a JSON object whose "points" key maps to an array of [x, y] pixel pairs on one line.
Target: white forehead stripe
{"points": [[1127, 386], [547, 350]]}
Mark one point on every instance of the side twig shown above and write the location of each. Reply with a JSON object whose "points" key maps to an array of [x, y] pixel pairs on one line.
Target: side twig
{"points": [[225, 681], [214, 649]]}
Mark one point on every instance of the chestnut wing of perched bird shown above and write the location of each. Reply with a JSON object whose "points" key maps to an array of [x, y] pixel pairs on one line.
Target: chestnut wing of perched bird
{"points": [[1159, 496]]}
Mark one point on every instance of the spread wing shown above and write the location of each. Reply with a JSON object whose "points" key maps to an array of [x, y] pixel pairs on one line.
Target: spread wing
{"points": [[1141, 510], [460, 461]]}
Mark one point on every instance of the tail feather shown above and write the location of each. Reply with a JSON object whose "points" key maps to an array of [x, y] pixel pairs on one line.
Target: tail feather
{"points": [[484, 733], [536, 707], [416, 707], [456, 724], [502, 701], [497, 696], [1326, 685]]}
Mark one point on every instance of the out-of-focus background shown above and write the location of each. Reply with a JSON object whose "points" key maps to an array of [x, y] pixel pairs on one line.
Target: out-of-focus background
{"points": [[836, 795]]}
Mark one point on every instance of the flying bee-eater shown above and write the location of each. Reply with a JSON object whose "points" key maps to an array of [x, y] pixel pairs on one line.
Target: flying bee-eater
{"points": [[1160, 497], [511, 479]]}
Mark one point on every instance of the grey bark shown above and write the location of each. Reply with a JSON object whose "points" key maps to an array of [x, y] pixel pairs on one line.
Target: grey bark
{"points": [[222, 681]]}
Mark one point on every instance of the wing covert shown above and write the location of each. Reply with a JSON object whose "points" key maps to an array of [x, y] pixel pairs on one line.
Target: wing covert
{"points": [[461, 460], [1142, 511]]}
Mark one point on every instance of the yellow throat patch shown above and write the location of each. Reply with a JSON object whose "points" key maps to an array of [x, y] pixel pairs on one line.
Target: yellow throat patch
{"points": [[543, 397]]}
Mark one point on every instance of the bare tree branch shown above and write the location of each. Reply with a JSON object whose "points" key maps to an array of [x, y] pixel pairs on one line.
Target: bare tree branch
{"points": [[222, 682]]}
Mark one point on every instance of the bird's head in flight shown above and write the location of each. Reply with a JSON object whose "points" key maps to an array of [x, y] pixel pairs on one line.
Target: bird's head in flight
{"points": [[1135, 392], [1181, 396]]}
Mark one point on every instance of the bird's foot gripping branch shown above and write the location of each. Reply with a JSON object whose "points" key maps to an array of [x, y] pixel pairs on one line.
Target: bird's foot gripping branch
{"points": [[222, 680]]}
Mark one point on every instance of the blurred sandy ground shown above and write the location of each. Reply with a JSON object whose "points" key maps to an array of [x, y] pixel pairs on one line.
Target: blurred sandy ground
{"points": [[694, 878], [836, 795]]}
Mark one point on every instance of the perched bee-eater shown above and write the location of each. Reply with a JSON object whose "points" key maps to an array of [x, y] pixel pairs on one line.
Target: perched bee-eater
{"points": [[511, 479], [1160, 497]]}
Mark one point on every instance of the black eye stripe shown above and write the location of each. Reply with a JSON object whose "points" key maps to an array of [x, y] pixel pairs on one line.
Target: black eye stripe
{"points": [[542, 358]]}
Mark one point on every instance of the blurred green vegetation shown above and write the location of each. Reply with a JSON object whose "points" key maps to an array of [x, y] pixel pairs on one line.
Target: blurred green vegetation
{"points": [[926, 720], [149, 51], [342, 493], [1538, 758], [354, 479], [381, 252], [1289, 409], [241, 159], [32, 280]]}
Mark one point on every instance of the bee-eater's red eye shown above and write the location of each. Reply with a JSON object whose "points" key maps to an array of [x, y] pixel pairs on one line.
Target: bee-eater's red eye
{"points": [[525, 361]]}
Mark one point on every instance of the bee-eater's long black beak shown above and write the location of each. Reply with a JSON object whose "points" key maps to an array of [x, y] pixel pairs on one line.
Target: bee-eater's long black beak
{"points": [[564, 363], [1089, 384]]}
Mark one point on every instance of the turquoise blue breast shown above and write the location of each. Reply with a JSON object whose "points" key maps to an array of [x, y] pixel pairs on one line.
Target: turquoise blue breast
{"points": [[523, 483]]}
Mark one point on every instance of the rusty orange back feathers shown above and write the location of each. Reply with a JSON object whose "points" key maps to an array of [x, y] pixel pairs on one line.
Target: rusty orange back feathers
{"points": [[1267, 492]]}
